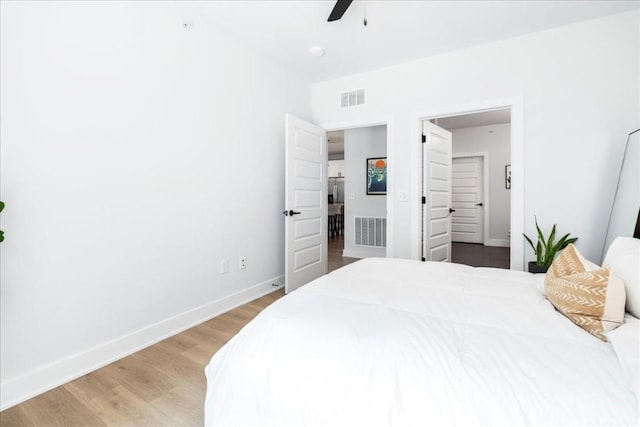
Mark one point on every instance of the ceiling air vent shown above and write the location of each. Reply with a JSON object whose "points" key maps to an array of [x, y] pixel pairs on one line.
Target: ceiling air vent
{"points": [[351, 98]]}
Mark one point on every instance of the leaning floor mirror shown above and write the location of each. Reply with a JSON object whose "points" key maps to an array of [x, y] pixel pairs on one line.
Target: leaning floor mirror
{"points": [[625, 213]]}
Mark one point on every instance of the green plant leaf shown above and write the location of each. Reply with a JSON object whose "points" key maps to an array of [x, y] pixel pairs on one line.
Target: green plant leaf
{"points": [[530, 242], [568, 242], [539, 253], [1, 205], [552, 236], [542, 245], [565, 241]]}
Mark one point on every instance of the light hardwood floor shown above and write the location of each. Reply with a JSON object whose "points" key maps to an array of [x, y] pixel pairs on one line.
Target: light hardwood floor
{"points": [[334, 256], [162, 385]]}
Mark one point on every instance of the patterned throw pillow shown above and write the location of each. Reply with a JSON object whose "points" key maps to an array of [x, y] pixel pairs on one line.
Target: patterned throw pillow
{"points": [[569, 261], [593, 300]]}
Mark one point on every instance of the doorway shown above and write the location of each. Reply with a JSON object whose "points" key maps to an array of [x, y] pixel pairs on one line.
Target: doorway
{"points": [[306, 199], [480, 195], [356, 218], [336, 199]]}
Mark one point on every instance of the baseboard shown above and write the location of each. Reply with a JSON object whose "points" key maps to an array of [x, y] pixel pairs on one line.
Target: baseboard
{"points": [[38, 381], [503, 243]]}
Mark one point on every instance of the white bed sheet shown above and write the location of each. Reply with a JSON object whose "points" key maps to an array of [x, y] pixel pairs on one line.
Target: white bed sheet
{"points": [[398, 342]]}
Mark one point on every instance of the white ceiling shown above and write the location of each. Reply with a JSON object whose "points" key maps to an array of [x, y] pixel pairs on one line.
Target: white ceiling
{"points": [[484, 118], [397, 31]]}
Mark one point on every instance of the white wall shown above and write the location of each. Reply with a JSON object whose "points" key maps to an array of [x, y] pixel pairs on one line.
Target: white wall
{"points": [[335, 168], [360, 144], [579, 89], [496, 141], [136, 156]]}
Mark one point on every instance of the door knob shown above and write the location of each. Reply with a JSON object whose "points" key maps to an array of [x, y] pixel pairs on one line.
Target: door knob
{"points": [[292, 213], [479, 204], [451, 210]]}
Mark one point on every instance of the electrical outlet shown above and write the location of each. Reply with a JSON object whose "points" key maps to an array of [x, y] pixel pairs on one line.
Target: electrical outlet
{"points": [[243, 263], [224, 266]]}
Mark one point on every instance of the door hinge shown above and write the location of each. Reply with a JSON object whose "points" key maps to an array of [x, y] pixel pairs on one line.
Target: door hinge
{"points": [[424, 138], [424, 259], [424, 200]]}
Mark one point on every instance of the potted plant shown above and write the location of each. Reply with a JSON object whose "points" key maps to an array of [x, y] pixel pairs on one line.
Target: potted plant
{"points": [[546, 248]]}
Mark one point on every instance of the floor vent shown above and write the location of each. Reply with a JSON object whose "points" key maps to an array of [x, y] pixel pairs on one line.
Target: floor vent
{"points": [[352, 98], [371, 232]]}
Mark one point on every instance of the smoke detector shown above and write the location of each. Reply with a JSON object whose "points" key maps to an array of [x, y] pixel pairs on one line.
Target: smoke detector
{"points": [[316, 51]]}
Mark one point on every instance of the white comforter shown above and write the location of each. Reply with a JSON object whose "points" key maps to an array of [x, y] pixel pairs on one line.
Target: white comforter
{"points": [[404, 343]]}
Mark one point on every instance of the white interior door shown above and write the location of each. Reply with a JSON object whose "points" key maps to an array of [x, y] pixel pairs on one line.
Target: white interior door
{"points": [[437, 193], [305, 202], [467, 222]]}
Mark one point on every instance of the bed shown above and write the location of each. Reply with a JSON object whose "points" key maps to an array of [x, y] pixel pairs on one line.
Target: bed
{"points": [[390, 342], [398, 342]]}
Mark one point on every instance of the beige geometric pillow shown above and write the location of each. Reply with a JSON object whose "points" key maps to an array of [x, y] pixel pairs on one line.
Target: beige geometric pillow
{"points": [[593, 300], [569, 261]]}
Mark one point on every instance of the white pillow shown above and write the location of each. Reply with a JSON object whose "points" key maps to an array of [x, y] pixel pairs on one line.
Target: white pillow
{"points": [[626, 343], [623, 257]]}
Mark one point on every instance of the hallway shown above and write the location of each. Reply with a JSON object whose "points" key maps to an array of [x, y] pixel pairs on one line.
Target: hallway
{"points": [[479, 255], [334, 253], [462, 253]]}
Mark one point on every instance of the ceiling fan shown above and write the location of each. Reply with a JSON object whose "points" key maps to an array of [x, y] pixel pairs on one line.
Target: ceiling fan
{"points": [[339, 9]]}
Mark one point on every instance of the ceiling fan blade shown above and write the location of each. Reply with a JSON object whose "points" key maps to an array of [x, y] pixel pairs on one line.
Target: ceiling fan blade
{"points": [[339, 9]]}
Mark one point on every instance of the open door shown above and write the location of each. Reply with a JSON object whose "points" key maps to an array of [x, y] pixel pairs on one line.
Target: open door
{"points": [[305, 202], [436, 186]]}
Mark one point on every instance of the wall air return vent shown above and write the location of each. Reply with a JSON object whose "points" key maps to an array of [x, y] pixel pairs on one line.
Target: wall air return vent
{"points": [[352, 98], [370, 232]]}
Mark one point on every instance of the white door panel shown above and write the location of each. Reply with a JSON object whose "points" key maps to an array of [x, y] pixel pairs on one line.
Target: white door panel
{"points": [[463, 220], [439, 200], [464, 227], [436, 183], [463, 198], [438, 253], [466, 188], [465, 213], [305, 202]]}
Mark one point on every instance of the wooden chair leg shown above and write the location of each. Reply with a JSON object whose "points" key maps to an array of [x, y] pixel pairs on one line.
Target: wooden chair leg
{"points": [[332, 225]]}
